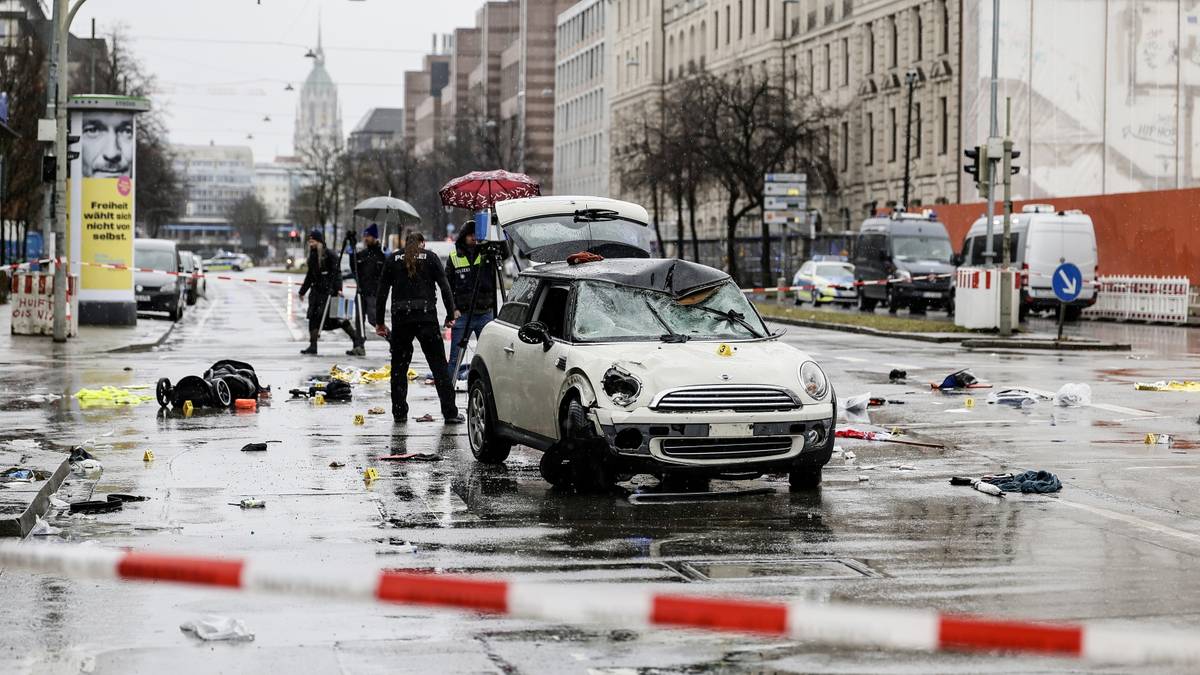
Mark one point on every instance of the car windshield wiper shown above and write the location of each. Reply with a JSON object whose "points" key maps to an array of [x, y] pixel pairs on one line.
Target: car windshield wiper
{"points": [[595, 215], [732, 316], [671, 335]]}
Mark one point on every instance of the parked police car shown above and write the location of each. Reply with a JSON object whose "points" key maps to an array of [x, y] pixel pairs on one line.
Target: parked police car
{"points": [[632, 364]]}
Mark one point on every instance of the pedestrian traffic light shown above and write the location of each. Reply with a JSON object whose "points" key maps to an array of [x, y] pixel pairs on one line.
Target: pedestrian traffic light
{"points": [[978, 168], [1014, 170]]}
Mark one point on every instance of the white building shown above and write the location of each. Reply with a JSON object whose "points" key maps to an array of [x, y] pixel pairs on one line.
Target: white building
{"points": [[277, 185], [581, 110], [318, 115], [215, 176]]}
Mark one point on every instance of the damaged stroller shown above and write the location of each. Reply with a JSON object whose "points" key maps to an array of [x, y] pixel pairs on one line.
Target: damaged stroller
{"points": [[222, 384]]}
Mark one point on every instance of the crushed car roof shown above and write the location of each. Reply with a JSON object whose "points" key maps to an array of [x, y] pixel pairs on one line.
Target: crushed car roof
{"points": [[668, 275]]}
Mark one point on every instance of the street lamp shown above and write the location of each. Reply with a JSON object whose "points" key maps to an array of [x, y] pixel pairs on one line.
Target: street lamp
{"points": [[910, 79]]}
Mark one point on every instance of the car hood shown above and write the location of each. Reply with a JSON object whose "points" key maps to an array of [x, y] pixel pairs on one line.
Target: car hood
{"points": [[665, 366]]}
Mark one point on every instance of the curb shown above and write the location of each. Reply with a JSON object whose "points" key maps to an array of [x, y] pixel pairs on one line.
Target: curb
{"points": [[1046, 345], [863, 330], [146, 346], [19, 526], [638, 608]]}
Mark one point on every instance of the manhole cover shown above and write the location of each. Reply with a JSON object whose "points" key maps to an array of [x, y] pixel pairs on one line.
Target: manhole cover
{"points": [[821, 568]]}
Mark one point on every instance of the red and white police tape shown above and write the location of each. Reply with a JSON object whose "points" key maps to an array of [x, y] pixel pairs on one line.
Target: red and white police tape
{"points": [[634, 607]]}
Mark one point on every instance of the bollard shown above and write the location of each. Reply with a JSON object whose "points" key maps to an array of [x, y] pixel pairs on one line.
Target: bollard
{"points": [[780, 296]]}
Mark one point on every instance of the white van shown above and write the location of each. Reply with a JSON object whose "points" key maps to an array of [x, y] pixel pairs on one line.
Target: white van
{"points": [[1041, 239]]}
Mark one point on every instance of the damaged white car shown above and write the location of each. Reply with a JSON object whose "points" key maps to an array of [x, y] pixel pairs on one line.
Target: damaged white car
{"points": [[613, 363]]}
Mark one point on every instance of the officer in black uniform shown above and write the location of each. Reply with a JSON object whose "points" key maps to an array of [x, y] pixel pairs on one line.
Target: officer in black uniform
{"points": [[324, 279], [410, 276], [369, 268]]}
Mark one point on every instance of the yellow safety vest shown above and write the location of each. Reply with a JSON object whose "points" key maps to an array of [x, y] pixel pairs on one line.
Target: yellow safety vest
{"points": [[458, 261]]}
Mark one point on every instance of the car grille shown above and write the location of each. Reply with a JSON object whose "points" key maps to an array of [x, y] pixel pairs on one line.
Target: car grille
{"points": [[739, 398], [726, 448]]}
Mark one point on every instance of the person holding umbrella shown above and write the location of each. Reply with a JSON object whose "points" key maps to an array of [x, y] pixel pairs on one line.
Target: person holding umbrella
{"points": [[369, 263], [324, 279], [413, 277]]}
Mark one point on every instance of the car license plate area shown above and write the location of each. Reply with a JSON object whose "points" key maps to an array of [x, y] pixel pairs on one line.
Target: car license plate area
{"points": [[930, 294], [738, 430], [142, 298]]}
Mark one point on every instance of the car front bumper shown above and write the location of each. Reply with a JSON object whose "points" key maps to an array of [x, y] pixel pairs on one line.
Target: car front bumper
{"points": [[157, 301], [718, 442]]}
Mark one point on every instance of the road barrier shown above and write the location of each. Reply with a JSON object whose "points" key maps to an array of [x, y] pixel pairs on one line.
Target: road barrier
{"points": [[634, 607], [1136, 298]]}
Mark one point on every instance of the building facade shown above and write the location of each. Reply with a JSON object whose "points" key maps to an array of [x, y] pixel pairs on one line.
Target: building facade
{"points": [[318, 114], [216, 177], [581, 108]]}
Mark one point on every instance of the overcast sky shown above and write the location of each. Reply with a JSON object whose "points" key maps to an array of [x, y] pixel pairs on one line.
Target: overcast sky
{"points": [[222, 65]]}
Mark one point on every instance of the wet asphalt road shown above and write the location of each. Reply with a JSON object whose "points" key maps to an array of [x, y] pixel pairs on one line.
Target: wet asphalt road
{"points": [[1119, 543]]}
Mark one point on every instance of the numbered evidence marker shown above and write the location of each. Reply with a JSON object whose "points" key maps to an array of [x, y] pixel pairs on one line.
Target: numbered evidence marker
{"points": [[724, 350]]}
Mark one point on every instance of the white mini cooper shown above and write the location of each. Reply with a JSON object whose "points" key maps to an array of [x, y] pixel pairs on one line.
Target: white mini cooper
{"points": [[630, 364]]}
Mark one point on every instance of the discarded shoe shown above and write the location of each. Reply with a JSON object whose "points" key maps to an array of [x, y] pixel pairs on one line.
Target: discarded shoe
{"points": [[1073, 394], [424, 418]]}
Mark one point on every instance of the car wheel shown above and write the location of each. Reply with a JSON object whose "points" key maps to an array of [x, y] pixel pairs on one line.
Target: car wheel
{"points": [[191, 298], [554, 468], [585, 452], [175, 313], [481, 425], [804, 477]]}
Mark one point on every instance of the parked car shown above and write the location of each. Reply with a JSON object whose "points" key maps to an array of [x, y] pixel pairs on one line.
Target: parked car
{"points": [[821, 280], [618, 363], [909, 258], [158, 290], [200, 285], [236, 262], [1040, 239]]}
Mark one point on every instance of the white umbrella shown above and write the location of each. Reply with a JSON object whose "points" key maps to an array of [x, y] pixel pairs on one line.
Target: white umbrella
{"points": [[388, 210]]}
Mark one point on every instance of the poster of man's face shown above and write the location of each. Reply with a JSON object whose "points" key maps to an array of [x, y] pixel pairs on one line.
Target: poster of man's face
{"points": [[106, 144]]}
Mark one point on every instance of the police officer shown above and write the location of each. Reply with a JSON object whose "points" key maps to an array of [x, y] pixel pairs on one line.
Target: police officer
{"points": [[324, 279], [466, 262], [369, 264], [410, 276]]}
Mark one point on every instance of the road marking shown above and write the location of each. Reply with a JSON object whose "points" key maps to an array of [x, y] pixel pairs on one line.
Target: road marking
{"points": [[851, 359], [1132, 520], [297, 335], [1103, 406]]}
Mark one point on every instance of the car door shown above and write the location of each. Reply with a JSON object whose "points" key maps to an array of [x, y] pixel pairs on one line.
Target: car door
{"points": [[498, 347], [543, 371], [803, 282]]}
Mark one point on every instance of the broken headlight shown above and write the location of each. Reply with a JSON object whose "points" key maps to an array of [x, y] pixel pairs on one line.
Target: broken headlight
{"points": [[813, 380], [621, 386]]}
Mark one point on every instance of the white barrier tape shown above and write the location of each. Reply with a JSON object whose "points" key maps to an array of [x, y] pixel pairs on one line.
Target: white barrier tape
{"points": [[871, 627]]}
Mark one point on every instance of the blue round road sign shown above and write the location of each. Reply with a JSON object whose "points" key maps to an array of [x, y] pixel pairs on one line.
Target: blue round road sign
{"points": [[1067, 282]]}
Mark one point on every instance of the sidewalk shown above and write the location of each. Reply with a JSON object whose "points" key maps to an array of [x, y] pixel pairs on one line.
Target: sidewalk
{"points": [[148, 334]]}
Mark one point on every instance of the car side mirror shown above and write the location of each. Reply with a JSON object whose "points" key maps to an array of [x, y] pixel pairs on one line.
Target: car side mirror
{"points": [[535, 332], [957, 259]]}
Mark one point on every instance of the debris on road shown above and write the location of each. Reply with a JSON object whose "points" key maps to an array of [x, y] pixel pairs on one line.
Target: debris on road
{"points": [[1017, 397], [1029, 481], [20, 475], [675, 497], [962, 379], [257, 447], [1158, 439], [246, 404], [97, 506], [39, 398], [335, 390], [356, 375], [411, 456], [856, 404], [87, 468], [335, 464], [214, 628], [43, 529], [881, 436], [250, 503], [863, 479], [109, 396], [1164, 385], [377, 410], [221, 386], [1073, 394], [988, 488], [424, 418], [897, 375]]}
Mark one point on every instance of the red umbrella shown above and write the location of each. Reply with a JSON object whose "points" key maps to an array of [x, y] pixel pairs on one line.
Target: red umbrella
{"points": [[480, 190]]}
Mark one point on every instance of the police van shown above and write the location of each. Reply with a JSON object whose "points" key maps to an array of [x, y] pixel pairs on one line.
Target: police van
{"points": [[1042, 238], [904, 260]]}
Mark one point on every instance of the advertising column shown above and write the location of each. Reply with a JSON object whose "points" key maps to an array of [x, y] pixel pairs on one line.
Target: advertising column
{"points": [[102, 206]]}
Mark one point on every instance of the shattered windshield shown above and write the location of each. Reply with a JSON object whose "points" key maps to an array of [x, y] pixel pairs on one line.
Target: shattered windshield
{"points": [[605, 312], [936, 249]]}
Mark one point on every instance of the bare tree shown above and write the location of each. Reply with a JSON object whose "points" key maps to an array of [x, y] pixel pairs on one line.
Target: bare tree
{"points": [[637, 153], [319, 203], [248, 216], [744, 126]]}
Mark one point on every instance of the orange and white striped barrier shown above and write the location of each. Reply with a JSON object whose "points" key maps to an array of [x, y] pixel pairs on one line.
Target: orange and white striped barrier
{"points": [[634, 607]]}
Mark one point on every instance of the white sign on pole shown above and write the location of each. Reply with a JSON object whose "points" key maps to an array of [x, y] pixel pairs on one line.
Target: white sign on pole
{"points": [[785, 178], [785, 189], [785, 217], [785, 203]]}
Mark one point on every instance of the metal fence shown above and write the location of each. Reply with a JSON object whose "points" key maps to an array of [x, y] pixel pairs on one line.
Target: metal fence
{"points": [[1136, 298]]}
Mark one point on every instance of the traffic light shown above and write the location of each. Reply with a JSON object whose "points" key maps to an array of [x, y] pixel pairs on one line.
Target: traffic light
{"points": [[49, 168], [1014, 170], [978, 168]]}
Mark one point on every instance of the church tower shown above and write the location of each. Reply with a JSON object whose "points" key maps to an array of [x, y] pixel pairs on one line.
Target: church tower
{"points": [[318, 116]]}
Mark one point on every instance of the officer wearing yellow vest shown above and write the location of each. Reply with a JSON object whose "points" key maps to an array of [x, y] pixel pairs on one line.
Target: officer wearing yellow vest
{"points": [[465, 262]]}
